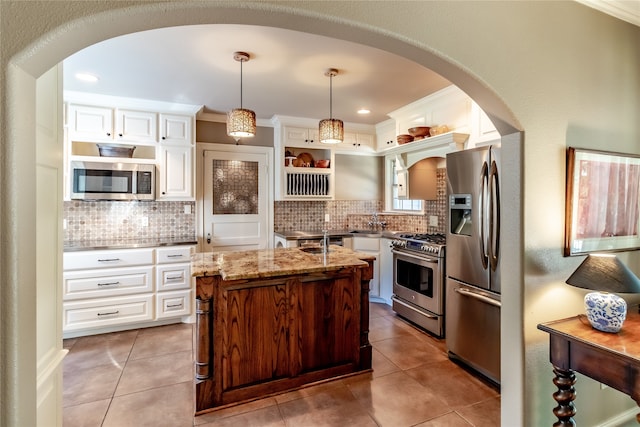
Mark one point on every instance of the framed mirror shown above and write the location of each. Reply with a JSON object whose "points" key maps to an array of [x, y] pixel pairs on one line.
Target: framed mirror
{"points": [[602, 202]]}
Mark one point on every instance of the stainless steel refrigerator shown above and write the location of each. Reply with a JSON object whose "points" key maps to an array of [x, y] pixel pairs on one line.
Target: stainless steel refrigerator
{"points": [[472, 316]]}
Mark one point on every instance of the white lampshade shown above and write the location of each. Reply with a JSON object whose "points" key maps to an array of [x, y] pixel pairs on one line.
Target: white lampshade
{"points": [[331, 131], [241, 123]]}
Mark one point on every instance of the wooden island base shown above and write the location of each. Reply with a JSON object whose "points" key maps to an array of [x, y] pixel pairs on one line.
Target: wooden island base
{"points": [[260, 336]]}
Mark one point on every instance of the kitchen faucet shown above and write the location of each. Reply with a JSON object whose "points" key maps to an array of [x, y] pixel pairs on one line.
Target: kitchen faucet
{"points": [[375, 222], [325, 241]]}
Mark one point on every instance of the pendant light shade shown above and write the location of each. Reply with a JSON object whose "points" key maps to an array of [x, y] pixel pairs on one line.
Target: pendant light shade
{"points": [[331, 131], [241, 123]]}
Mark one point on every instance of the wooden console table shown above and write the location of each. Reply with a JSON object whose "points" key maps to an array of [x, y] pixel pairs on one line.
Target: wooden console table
{"points": [[612, 359]]}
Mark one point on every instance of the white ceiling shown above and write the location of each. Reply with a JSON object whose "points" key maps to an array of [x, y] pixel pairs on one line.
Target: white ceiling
{"points": [[285, 76]]}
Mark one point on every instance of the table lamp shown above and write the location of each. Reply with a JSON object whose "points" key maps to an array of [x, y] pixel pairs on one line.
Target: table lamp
{"points": [[605, 274]]}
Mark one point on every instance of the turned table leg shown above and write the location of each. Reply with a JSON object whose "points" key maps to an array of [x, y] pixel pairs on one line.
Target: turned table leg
{"points": [[564, 380]]}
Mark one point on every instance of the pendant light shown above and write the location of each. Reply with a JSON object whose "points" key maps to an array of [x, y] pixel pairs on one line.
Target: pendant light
{"points": [[241, 123], [331, 130]]}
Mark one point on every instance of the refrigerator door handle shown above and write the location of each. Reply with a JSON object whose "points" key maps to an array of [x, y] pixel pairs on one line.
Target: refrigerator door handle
{"points": [[494, 228], [470, 293], [484, 224]]}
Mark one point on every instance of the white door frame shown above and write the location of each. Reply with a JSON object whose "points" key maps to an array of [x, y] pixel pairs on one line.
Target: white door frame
{"points": [[201, 147]]}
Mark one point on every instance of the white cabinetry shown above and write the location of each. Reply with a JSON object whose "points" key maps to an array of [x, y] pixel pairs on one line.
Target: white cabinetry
{"points": [[106, 124], [386, 135], [107, 290], [164, 138], [175, 158], [173, 279], [386, 270], [299, 139], [357, 143], [370, 245]]}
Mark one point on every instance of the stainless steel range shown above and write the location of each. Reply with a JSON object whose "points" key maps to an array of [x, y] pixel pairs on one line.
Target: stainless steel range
{"points": [[419, 278]]}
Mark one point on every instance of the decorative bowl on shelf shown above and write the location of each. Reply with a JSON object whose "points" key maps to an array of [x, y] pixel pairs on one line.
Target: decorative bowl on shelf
{"points": [[324, 163], [115, 150], [438, 130], [404, 138], [419, 131]]}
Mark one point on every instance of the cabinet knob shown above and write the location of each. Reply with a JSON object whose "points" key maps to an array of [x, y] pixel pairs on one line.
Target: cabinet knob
{"points": [[164, 192], [108, 133], [164, 137]]}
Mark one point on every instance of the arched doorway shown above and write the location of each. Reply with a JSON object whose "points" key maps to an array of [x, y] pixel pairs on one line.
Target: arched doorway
{"points": [[60, 43]]}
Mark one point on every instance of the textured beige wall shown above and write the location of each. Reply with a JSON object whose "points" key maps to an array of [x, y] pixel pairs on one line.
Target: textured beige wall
{"points": [[565, 74]]}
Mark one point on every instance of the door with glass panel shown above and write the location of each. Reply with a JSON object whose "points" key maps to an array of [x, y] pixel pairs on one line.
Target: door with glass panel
{"points": [[235, 202]]}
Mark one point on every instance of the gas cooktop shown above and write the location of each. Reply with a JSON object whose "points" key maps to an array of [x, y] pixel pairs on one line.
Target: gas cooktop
{"points": [[431, 244]]}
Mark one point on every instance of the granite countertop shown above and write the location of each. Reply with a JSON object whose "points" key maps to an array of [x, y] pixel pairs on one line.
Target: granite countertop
{"points": [[87, 245], [317, 234], [266, 263]]}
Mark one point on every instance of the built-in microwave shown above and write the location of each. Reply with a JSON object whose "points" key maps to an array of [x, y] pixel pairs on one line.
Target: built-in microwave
{"points": [[112, 181]]}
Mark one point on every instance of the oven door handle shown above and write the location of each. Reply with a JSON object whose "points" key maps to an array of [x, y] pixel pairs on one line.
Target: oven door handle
{"points": [[469, 293], [419, 258], [404, 304]]}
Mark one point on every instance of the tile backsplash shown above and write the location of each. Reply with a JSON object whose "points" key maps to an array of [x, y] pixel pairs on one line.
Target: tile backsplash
{"points": [[111, 220], [355, 214]]}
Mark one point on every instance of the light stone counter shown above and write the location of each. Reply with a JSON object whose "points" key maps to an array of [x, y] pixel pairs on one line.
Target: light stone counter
{"points": [[265, 263]]}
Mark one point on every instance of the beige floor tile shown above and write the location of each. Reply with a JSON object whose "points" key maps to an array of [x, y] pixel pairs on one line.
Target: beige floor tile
{"points": [[408, 352], [86, 414], [381, 365], [381, 328], [89, 385], [397, 400], [325, 387], [96, 350], [332, 407], [377, 310], [447, 379], [162, 340], [170, 406], [265, 417], [451, 419], [157, 371], [233, 411], [483, 414]]}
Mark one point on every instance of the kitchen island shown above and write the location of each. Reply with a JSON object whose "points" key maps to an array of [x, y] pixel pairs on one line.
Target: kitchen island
{"points": [[273, 320]]}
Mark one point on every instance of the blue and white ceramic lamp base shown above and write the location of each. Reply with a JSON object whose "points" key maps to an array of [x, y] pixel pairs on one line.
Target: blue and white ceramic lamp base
{"points": [[605, 311]]}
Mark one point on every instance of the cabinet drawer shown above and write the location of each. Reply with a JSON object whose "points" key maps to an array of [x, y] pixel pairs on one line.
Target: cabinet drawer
{"points": [[173, 304], [107, 282], [173, 276], [174, 254], [107, 311], [107, 258], [366, 244]]}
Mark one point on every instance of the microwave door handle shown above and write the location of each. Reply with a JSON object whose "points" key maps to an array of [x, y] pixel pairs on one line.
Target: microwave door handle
{"points": [[484, 243], [495, 216]]}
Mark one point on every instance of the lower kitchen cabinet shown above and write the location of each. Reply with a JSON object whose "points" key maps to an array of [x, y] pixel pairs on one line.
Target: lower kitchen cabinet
{"points": [[109, 290], [386, 270], [370, 245]]}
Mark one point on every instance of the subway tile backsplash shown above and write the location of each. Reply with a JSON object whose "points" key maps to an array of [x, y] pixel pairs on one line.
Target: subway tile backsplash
{"points": [[111, 220]]}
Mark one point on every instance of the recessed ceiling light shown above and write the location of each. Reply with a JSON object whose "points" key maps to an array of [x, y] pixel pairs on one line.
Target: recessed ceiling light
{"points": [[86, 77], [364, 111]]}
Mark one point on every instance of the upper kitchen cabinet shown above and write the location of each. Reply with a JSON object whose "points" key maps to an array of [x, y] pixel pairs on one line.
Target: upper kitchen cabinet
{"points": [[299, 174], [162, 134], [449, 107], [356, 143], [176, 129], [386, 135], [97, 124]]}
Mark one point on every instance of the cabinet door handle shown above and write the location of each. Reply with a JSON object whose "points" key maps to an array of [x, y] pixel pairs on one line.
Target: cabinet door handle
{"points": [[175, 256], [108, 284], [109, 313], [108, 259], [174, 305], [208, 238], [175, 277]]}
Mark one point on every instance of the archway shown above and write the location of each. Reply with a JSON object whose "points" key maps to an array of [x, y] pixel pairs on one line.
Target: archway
{"points": [[62, 42]]}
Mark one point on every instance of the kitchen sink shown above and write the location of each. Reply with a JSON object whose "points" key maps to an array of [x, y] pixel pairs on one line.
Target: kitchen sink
{"points": [[313, 250], [366, 233]]}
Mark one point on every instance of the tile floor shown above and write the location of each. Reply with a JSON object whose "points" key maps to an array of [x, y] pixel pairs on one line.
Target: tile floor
{"points": [[144, 378]]}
